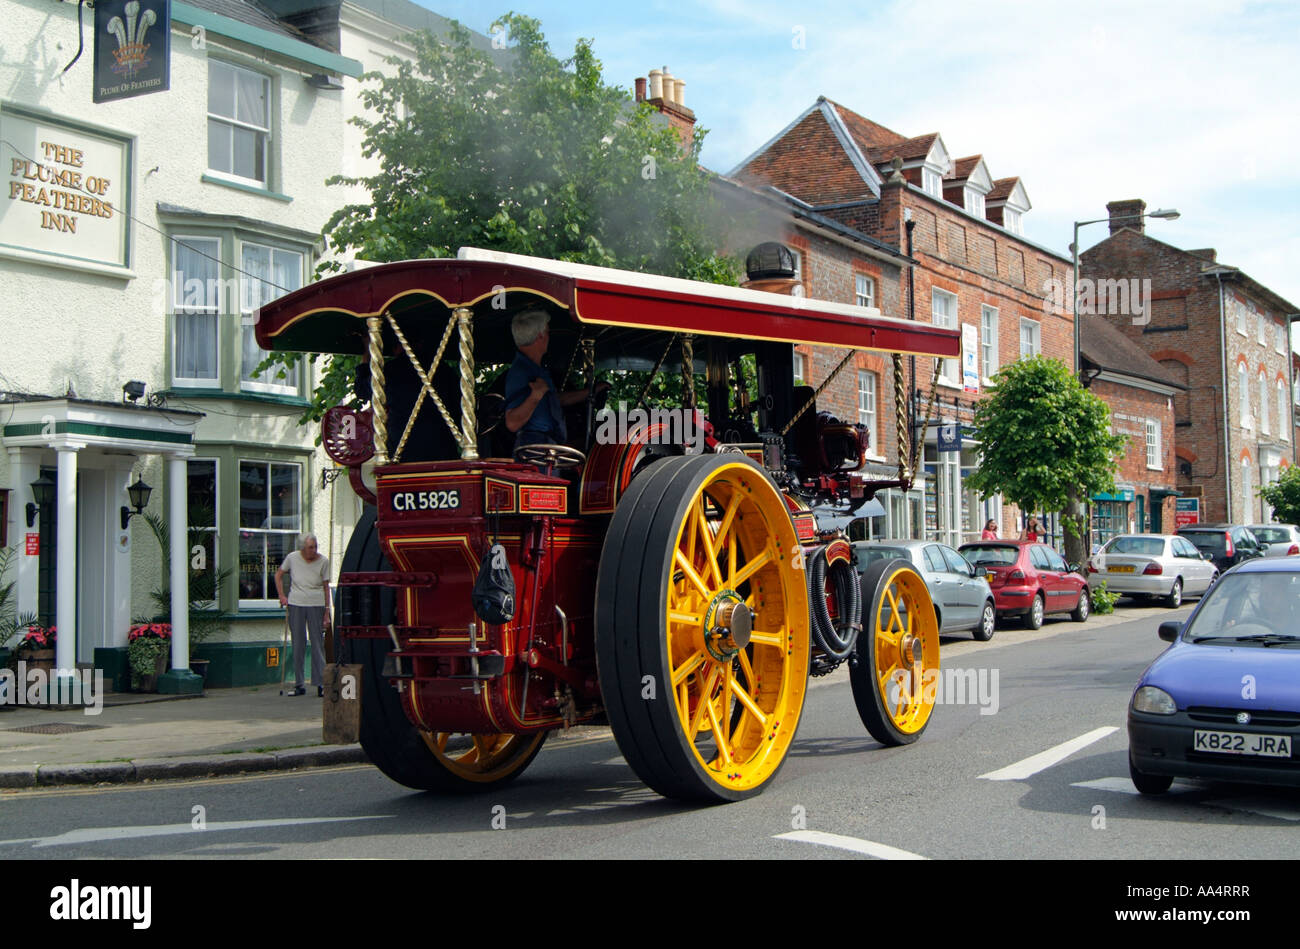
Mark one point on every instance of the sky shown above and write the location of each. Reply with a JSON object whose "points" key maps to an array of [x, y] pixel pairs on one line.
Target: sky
{"points": [[1186, 105]]}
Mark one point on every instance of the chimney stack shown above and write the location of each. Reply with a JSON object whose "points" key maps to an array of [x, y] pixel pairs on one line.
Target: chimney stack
{"points": [[1127, 214], [668, 94]]}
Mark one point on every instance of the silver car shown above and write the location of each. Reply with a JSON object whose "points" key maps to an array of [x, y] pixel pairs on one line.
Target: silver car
{"points": [[961, 595], [1283, 539], [1152, 565]]}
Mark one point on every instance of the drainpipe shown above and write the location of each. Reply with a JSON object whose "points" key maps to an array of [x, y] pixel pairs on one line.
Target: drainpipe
{"points": [[1227, 429], [1290, 383], [909, 225]]}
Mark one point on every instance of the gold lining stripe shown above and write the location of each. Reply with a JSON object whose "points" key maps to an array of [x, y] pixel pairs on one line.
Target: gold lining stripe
{"points": [[421, 291]]}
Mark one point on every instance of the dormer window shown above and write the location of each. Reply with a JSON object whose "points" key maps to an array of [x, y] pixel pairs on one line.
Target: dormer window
{"points": [[1011, 221], [974, 202], [931, 182]]}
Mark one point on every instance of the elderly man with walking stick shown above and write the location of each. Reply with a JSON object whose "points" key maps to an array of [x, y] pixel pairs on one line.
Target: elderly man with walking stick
{"points": [[308, 604]]}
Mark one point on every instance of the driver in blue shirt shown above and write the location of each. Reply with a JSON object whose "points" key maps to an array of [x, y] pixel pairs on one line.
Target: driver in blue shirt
{"points": [[534, 409]]}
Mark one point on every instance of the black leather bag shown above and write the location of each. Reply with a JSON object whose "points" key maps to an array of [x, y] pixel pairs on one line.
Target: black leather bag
{"points": [[494, 589]]}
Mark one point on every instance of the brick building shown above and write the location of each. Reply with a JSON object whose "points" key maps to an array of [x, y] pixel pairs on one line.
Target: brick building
{"points": [[972, 268], [1222, 335], [1140, 393]]}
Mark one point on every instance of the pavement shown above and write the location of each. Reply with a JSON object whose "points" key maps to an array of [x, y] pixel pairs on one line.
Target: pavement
{"points": [[138, 738]]}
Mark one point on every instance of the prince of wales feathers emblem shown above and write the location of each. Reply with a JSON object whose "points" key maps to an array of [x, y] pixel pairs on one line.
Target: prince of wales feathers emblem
{"points": [[131, 48]]}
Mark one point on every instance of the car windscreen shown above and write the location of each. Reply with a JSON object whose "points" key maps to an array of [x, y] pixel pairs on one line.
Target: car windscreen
{"points": [[990, 555], [1210, 541], [1141, 546], [1249, 605], [1272, 535]]}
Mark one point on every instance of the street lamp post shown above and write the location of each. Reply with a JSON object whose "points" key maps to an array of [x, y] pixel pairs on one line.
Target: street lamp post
{"points": [[1168, 214]]}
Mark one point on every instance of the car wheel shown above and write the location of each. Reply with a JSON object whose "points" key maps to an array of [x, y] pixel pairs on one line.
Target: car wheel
{"points": [[1148, 783], [1175, 597], [1082, 608], [1034, 618], [988, 621]]}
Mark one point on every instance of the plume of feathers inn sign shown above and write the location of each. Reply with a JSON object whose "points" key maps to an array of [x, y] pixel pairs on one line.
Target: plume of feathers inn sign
{"points": [[132, 48]]}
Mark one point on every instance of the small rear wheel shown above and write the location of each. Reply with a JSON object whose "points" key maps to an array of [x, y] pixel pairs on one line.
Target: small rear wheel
{"points": [[1148, 783], [1175, 597], [1034, 616], [897, 659]]}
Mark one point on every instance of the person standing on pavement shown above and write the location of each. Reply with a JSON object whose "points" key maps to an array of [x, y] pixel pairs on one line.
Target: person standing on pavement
{"points": [[1032, 530], [308, 603], [990, 531]]}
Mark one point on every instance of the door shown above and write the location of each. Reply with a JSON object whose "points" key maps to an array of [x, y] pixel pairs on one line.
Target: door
{"points": [[970, 596], [943, 586], [47, 567], [1157, 516], [1049, 579], [1195, 569], [1069, 584]]}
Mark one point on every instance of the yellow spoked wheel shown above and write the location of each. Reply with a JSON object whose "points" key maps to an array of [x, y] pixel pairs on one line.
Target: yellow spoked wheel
{"points": [[483, 759], [702, 638], [896, 673]]}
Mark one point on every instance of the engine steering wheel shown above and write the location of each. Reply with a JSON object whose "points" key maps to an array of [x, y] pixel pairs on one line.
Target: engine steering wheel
{"points": [[551, 456]]}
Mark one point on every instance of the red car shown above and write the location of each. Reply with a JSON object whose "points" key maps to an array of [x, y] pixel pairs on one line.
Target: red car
{"points": [[1030, 580]]}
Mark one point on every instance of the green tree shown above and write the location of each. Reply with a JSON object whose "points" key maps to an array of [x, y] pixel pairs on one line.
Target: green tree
{"points": [[1283, 495], [1045, 441], [538, 157]]}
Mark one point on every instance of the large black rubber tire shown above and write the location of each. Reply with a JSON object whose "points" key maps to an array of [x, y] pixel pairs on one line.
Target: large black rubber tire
{"points": [[863, 673], [1148, 783], [632, 587], [390, 741], [1175, 597]]}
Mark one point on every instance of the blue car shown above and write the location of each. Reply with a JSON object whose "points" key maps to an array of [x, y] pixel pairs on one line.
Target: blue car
{"points": [[1223, 701]]}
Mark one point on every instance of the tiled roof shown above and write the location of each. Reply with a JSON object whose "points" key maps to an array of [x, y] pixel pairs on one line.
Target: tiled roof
{"points": [[809, 163], [908, 149], [962, 167], [1106, 347], [865, 132], [1002, 188]]}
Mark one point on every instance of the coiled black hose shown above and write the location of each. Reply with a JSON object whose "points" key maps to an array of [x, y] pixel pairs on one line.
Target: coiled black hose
{"points": [[835, 639]]}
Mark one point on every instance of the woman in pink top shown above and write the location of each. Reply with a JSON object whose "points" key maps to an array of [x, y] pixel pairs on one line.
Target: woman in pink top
{"points": [[1031, 529], [990, 530]]}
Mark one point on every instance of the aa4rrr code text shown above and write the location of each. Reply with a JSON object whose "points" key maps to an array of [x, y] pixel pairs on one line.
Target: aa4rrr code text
{"points": [[1181, 889]]}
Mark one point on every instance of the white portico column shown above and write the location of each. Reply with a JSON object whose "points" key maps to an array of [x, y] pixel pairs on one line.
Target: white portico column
{"points": [[179, 680], [179, 519], [65, 610]]}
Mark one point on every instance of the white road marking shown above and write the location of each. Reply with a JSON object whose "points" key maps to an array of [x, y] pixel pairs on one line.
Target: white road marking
{"points": [[1118, 785], [1248, 805], [86, 835], [1045, 759], [856, 844], [620, 761]]}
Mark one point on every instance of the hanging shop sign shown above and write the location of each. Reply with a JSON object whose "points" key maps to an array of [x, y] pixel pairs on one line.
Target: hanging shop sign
{"points": [[949, 437], [132, 48], [1187, 511], [970, 366]]}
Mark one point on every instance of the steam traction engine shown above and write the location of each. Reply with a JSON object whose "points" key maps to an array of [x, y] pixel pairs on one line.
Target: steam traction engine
{"points": [[678, 590]]}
